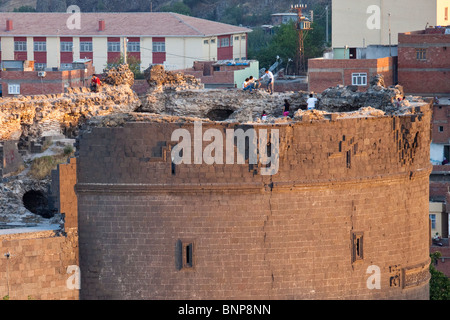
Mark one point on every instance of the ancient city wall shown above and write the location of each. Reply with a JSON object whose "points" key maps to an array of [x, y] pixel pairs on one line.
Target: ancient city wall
{"points": [[350, 195], [36, 266], [40, 264]]}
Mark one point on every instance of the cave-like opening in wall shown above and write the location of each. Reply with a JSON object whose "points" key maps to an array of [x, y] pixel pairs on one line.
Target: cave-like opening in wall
{"points": [[37, 202], [219, 114]]}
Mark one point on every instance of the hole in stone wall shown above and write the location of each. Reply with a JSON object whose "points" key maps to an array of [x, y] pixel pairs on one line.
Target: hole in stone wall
{"points": [[219, 114], [37, 203]]}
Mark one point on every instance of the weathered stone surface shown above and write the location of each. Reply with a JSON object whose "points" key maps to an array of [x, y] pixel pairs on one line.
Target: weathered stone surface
{"points": [[160, 79], [119, 75], [340, 98], [35, 116]]}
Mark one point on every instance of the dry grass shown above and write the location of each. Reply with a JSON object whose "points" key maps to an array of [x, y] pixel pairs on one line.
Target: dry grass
{"points": [[43, 166]]}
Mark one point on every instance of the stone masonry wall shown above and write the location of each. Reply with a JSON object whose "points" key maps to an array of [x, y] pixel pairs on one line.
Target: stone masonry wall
{"points": [[43, 265], [38, 265], [9, 157], [149, 229]]}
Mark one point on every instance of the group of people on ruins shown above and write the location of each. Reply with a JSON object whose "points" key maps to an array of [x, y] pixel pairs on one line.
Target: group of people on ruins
{"points": [[251, 83]]}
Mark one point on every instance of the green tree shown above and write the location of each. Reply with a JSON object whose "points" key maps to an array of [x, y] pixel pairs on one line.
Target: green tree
{"points": [[439, 282], [133, 63], [266, 47], [24, 9], [284, 41]]}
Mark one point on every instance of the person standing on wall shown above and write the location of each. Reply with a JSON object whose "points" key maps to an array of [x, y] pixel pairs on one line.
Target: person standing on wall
{"points": [[287, 107], [270, 80], [311, 102]]}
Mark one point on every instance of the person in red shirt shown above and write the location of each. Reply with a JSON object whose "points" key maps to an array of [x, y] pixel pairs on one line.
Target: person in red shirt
{"points": [[95, 83]]}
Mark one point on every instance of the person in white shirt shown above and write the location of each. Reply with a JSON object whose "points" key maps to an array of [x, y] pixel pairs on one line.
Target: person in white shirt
{"points": [[311, 102], [270, 78], [247, 85]]}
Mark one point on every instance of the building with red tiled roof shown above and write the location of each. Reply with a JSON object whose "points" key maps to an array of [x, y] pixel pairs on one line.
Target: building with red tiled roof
{"points": [[54, 40]]}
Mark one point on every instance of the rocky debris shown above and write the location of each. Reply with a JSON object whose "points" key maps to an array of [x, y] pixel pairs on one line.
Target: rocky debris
{"points": [[221, 104], [243, 106], [12, 208], [120, 75], [343, 99], [31, 117], [160, 79], [377, 80], [310, 114]]}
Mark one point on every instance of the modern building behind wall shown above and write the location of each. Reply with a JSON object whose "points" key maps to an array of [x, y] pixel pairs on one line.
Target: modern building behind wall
{"points": [[357, 24], [175, 40]]}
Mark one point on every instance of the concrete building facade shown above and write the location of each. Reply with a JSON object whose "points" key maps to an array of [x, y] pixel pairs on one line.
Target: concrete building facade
{"points": [[362, 23], [174, 40]]}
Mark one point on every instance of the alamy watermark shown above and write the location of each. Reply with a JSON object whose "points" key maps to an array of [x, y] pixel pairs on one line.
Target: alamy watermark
{"points": [[73, 281], [74, 21], [374, 20], [261, 147]]}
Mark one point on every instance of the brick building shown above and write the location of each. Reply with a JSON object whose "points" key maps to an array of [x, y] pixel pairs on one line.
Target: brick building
{"points": [[32, 82], [424, 61], [325, 73], [165, 38]]}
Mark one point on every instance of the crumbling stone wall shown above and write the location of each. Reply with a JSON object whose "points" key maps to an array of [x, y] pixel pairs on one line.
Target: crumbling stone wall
{"points": [[10, 159], [290, 235], [43, 265], [34, 116]]}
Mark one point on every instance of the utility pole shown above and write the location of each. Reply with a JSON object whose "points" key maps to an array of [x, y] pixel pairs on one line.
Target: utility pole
{"points": [[326, 10], [301, 26], [389, 20]]}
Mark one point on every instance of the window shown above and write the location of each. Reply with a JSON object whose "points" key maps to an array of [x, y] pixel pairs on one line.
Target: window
{"points": [[421, 54], [40, 66], [213, 40], [242, 37], [357, 246], [134, 46], [66, 66], [205, 42], [224, 42], [184, 254], [236, 38], [40, 46], [20, 46], [359, 79], [113, 46], [85, 46], [66, 46], [188, 258], [13, 88], [441, 129], [159, 47], [433, 221], [231, 41]]}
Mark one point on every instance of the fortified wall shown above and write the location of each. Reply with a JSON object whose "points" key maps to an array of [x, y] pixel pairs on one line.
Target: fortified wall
{"points": [[38, 258], [343, 216]]}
